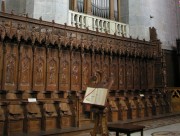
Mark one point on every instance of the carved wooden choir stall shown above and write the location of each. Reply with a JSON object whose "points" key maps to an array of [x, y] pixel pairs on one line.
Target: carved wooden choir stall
{"points": [[53, 63]]}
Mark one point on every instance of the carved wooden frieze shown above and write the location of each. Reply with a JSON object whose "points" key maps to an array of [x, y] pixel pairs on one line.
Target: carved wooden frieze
{"points": [[129, 73], [122, 77], [75, 71], [143, 74], [86, 70], [150, 74], [64, 76], [136, 74], [25, 68], [114, 70], [52, 69], [1, 63], [10, 67], [39, 71]]}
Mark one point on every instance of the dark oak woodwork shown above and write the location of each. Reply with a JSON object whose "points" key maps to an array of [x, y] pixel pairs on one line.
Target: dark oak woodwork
{"points": [[53, 63]]}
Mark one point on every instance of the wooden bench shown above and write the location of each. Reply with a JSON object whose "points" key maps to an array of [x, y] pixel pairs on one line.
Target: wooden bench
{"points": [[125, 128]]}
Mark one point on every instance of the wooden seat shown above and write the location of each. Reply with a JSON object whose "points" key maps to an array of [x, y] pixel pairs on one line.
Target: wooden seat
{"points": [[125, 128]]}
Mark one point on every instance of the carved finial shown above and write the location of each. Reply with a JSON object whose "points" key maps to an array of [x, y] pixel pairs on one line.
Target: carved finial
{"points": [[27, 15], [12, 12], [65, 24], [40, 18]]}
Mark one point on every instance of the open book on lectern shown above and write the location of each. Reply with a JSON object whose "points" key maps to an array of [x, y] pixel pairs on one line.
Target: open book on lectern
{"points": [[95, 96]]}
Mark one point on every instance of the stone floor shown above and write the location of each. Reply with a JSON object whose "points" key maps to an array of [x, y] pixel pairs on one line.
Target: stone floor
{"points": [[169, 126]]}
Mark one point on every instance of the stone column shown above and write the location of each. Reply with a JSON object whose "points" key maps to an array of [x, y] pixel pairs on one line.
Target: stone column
{"points": [[119, 10], [87, 7], [74, 5], [111, 7]]}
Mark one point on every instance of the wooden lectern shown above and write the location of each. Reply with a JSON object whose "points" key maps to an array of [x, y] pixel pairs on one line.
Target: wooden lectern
{"points": [[97, 97]]}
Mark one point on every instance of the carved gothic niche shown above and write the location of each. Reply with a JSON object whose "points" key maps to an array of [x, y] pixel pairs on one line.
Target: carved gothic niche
{"points": [[122, 69], [86, 70], [105, 68], [143, 74], [64, 76], [75, 71], [136, 74], [114, 70], [96, 63], [129, 73], [150, 74], [10, 67], [1, 63], [25, 68], [39, 72], [52, 70]]}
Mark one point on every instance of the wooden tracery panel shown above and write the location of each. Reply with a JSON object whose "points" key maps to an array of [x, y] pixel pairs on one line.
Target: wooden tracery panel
{"points": [[86, 70], [52, 70], [122, 77], [129, 73], [96, 62], [39, 72], [136, 74], [114, 71], [150, 74], [1, 63], [105, 67], [76, 71], [143, 74], [25, 68], [10, 67], [64, 76]]}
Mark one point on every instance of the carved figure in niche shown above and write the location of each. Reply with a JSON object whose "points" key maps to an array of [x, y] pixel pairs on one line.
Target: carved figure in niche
{"points": [[136, 75], [75, 72], [25, 70], [129, 75], [96, 67], [64, 74], [39, 72], [85, 73], [52, 72], [10, 70], [121, 75], [105, 71]]}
